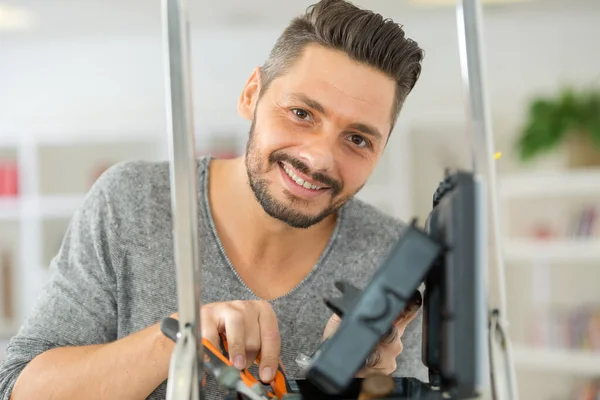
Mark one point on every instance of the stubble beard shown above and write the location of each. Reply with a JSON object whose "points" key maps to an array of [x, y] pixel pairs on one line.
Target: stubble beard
{"points": [[286, 212]]}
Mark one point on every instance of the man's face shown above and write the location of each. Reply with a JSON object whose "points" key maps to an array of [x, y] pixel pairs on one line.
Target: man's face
{"points": [[317, 134]]}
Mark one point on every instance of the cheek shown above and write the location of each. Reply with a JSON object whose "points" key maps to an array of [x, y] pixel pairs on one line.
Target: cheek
{"points": [[354, 172], [275, 134]]}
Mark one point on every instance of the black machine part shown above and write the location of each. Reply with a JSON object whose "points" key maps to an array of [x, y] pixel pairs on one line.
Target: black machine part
{"points": [[448, 258], [374, 312], [455, 317]]}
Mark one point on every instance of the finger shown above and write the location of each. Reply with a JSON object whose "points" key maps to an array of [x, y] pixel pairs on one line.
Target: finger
{"points": [[391, 350], [235, 330], [387, 368], [209, 325], [413, 304], [332, 326], [410, 312], [408, 318], [374, 359], [383, 358], [270, 342], [390, 337], [386, 353], [252, 341], [383, 353]]}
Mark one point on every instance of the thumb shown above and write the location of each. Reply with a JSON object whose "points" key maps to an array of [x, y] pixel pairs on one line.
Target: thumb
{"points": [[332, 326]]}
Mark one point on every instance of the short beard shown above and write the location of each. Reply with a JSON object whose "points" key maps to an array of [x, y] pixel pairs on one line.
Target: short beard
{"points": [[280, 210]]}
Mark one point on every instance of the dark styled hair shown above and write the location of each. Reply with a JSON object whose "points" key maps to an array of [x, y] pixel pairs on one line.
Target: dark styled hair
{"points": [[361, 34]]}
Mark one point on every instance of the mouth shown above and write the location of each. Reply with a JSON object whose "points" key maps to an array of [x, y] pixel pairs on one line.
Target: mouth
{"points": [[300, 184], [305, 183]]}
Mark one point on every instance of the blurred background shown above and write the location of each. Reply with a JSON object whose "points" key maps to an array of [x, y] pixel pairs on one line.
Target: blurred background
{"points": [[82, 87]]}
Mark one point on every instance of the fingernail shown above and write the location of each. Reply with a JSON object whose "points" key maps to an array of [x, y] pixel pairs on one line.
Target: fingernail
{"points": [[336, 318], [266, 374], [239, 362]]}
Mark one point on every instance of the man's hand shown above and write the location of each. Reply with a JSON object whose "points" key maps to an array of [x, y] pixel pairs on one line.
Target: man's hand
{"points": [[250, 328], [383, 358]]}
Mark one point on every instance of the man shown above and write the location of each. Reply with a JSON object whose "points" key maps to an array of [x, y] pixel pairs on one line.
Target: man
{"points": [[277, 228]]}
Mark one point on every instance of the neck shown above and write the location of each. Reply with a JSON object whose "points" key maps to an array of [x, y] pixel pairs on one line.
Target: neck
{"points": [[253, 238]]}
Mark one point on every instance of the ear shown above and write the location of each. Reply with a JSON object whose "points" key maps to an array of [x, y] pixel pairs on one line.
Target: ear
{"points": [[249, 96]]}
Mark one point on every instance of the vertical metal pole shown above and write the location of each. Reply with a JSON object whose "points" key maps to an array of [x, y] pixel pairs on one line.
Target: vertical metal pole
{"points": [[186, 366], [482, 145]]}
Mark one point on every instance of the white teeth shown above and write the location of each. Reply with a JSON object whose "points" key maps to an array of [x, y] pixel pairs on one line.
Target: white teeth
{"points": [[299, 180]]}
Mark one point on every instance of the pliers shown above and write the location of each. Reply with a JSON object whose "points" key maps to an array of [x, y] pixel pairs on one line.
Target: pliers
{"points": [[228, 376]]}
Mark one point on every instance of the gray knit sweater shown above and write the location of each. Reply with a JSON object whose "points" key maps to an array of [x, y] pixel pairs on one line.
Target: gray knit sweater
{"points": [[114, 274]]}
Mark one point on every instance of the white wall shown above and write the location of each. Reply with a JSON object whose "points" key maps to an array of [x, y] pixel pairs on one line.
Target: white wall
{"points": [[114, 83]]}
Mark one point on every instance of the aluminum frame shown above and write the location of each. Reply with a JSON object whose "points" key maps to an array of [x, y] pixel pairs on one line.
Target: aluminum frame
{"points": [[185, 370], [470, 40]]}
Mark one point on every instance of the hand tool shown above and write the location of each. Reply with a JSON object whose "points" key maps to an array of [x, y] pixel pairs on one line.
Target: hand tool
{"points": [[279, 386], [227, 375]]}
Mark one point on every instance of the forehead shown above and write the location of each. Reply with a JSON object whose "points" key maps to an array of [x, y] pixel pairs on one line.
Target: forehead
{"points": [[349, 91]]}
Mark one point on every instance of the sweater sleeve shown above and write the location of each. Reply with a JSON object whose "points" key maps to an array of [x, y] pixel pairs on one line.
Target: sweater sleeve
{"points": [[77, 306]]}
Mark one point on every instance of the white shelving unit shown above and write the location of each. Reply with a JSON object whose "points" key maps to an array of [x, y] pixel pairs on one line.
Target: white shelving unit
{"points": [[44, 160], [581, 250], [580, 363], [526, 256], [39, 207], [551, 183]]}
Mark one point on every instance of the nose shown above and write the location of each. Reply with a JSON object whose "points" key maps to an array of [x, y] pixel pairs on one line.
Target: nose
{"points": [[318, 153]]}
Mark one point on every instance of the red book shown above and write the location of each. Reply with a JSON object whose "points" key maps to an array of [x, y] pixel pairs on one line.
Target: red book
{"points": [[9, 179]]}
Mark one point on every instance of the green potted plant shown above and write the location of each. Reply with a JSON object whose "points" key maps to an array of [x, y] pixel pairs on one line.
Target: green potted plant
{"points": [[571, 118]]}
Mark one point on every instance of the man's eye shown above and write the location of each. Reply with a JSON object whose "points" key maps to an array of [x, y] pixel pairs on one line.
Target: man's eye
{"points": [[358, 141], [300, 113]]}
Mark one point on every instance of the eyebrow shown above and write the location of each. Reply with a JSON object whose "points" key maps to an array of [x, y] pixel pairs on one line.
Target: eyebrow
{"points": [[315, 105]]}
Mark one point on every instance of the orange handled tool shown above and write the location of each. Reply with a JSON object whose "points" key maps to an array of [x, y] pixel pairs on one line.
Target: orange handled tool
{"points": [[280, 385], [217, 362]]}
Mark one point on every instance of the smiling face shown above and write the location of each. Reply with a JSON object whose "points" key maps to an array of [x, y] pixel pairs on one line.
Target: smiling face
{"points": [[317, 134]]}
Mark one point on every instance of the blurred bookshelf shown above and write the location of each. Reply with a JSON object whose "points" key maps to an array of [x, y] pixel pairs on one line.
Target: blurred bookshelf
{"points": [[551, 247], [579, 362], [44, 178], [522, 250], [551, 183]]}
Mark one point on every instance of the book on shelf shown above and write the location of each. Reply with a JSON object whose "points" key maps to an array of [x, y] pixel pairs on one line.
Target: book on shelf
{"points": [[584, 222], [9, 178], [567, 328], [580, 225]]}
